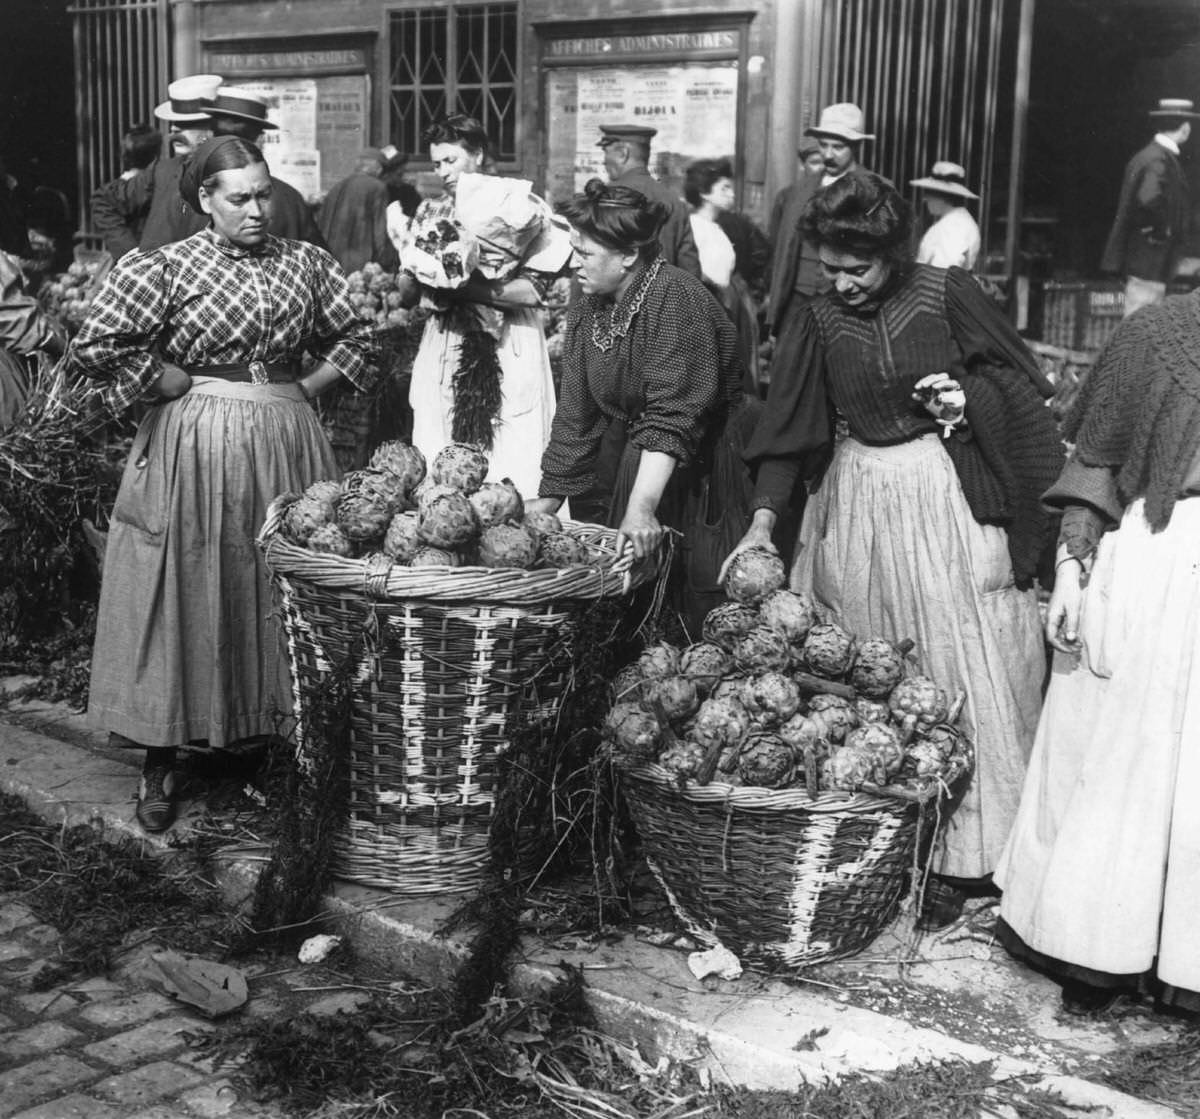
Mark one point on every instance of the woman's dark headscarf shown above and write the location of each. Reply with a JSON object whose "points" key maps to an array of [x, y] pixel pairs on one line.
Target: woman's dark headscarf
{"points": [[221, 153], [617, 217]]}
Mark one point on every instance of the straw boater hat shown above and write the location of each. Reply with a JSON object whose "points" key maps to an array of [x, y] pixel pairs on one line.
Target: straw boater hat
{"points": [[1175, 107], [191, 99], [945, 178], [842, 121], [241, 104]]}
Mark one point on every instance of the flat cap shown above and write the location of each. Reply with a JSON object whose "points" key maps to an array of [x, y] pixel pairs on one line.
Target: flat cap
{"points": [[614, 133]]}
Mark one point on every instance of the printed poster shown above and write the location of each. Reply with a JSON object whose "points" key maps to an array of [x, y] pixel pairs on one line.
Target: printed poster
{"points": [[693, 106]]}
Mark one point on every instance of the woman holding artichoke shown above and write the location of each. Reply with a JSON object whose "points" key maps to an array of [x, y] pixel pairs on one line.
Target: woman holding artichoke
{"points": [[927, 522], [1101, 875]]}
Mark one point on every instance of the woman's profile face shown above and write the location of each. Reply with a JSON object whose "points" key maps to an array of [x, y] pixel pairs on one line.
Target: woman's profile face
{"points": [[856, 279], [599, 269], [721, 195], [452, 160], [240, 204]]}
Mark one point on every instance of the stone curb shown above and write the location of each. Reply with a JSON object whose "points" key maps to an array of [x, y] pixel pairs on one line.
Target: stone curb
{"points": [[754, 1031]]}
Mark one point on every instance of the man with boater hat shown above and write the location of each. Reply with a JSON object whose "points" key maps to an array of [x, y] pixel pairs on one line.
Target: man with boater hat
{"points": [[1152, 214], [796, 273], [953, 240], [626, 161], [118, 207], [228, 111]]}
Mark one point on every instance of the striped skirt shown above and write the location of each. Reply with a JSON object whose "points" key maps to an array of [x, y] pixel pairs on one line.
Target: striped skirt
{"points": [[187, 643], [888, 545]]}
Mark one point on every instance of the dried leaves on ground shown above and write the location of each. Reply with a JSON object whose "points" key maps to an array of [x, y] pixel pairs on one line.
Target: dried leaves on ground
{"points": [[96, 891]]}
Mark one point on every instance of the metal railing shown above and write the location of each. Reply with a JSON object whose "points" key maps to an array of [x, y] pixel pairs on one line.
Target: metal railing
{"points": [[121, 64]]}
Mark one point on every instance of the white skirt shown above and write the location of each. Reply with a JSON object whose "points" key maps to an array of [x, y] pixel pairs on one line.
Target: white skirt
{"points": [[1103, 867], [888, 545], [527, 410]]}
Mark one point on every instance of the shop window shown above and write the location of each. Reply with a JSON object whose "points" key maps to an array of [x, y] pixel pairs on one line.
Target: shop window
{"points": [[454, 58]]}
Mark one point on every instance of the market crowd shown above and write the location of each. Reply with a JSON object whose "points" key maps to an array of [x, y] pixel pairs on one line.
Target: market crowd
{"points": [[843, 391]]}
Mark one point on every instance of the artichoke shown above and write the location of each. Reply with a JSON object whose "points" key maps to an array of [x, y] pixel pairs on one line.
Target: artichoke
{"points": [[658, 661], [726, 623], [872, 710], [878, 668], [882, 742], [704, 664], [559, 549], [401, 541], [460, 465], [498, 503], [772, 698], [762, 650], [626, 686], [790, 613], [918, 699], [766, 760], [723, 721], [682, 760], [829, 650], [402, 460], [834, 714], [848, 768], [677, 694], [634, 733], [753, 574], [331, 540]]}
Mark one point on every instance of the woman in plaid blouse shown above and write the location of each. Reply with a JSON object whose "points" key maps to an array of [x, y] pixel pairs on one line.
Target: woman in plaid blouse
{"points": [[208, 332]]}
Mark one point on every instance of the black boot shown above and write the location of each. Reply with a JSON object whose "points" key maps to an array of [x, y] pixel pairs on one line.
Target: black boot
{"points": [[155, 809]]}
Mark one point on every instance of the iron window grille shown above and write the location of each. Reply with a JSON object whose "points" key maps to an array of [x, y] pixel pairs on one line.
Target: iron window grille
{"points": [[454, 58]]}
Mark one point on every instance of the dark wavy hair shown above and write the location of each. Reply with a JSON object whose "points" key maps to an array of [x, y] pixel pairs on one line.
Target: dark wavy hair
{"points": [[140, 147], [458, 128], [860, 213], [702, 176], [618, 217]]}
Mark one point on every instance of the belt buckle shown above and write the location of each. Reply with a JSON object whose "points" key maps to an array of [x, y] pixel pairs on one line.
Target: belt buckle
{"points": [[258, 374]]}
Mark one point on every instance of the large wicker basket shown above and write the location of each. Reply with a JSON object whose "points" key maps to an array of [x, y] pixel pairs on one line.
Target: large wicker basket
{"points": [[447, 661], [781, 878]]}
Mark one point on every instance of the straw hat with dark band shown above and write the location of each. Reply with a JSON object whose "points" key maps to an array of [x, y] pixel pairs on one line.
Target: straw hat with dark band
{"points": [[946, 178]]}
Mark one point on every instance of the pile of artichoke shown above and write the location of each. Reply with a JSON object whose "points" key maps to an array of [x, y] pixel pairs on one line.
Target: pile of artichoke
{"points": [[778, 697]]}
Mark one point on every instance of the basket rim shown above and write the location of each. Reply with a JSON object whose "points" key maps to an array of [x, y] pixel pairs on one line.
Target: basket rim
{"points": [[875, 797], [502, 586]]}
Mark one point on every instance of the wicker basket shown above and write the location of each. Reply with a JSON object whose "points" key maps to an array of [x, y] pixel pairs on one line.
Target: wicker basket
{"points": [[447, 660], [780, 878]]}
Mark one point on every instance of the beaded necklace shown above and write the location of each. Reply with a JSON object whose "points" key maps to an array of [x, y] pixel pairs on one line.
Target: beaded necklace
{"points": [[618, 326]]}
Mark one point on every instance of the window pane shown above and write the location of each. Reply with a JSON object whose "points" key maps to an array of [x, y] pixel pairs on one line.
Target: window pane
{"points": [[485, 38]]}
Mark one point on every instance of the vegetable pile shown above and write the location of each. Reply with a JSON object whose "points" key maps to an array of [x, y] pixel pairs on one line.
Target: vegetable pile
{"points": [[448, 517], [778, 697], [69, 295], [376, 298]]}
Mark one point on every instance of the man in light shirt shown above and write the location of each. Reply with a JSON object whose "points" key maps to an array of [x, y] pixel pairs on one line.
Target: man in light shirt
{"points": [[952, 241], [1152, 214]]}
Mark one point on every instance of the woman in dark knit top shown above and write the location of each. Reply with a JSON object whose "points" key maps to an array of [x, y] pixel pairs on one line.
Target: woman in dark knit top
{"points": [[650, 374], [927, 523], [1101, 874]]}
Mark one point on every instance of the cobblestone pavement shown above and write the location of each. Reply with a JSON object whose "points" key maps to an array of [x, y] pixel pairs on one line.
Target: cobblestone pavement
{"points": [[107, 1048]]}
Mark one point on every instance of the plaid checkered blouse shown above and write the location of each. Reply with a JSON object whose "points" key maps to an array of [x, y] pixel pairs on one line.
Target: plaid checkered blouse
{"points": [[201, 302]]}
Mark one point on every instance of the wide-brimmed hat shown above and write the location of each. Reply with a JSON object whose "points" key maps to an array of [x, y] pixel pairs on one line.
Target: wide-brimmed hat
{"points": [[632, 133], [191, 99], [843, 121], [1175, 107], [241, 104], [945, 178]]}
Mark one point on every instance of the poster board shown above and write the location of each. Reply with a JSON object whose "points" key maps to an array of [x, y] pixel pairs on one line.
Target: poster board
{"points": [[693, 105], [322, 128]]}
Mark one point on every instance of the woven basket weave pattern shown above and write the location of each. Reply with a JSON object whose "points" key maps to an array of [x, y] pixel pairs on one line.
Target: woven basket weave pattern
{"points": [[779, 879], [448, 663]]}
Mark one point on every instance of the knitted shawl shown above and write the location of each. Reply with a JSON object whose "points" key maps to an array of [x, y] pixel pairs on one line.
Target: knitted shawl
{"points": [[1138, 412]]}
